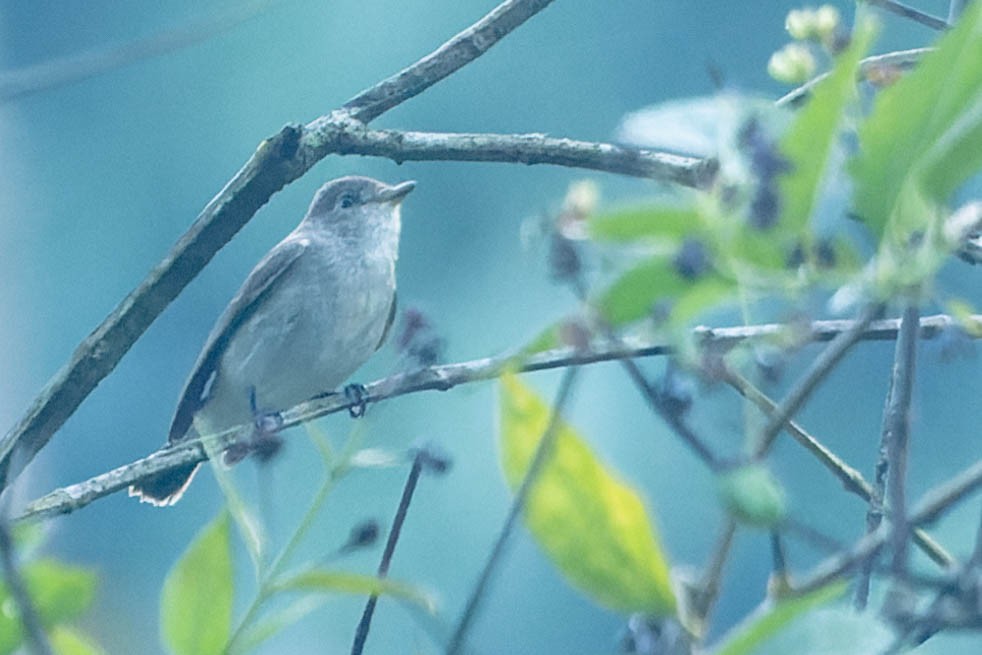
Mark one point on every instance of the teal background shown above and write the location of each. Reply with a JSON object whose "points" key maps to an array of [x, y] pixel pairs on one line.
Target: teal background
{"points": [[98, 179]]}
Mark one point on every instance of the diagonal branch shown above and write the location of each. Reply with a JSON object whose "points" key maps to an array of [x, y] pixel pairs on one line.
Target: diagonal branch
{"points": [[453, 55], [911, 13], [442, 378], [932, 505], [278, 161]]}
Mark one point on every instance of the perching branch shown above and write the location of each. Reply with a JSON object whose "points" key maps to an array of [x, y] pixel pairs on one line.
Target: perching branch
{"points": [[278, 161], [442, 378]]}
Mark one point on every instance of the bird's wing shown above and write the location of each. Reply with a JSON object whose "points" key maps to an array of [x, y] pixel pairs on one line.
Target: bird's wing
{"points": [[258, 285], [388, 321]]}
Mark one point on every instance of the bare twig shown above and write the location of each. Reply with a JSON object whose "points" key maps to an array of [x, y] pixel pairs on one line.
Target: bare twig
{"points": [[955, 9], [333, 136], [278, 161], [906, 11], [73, 68], [76, 496], [901, 59], [421, 461], [712, 579], [891, 467], [932, 504], [852, 480], [453, 55], [674, 418], [34, 635], [821, 367], [897, 432], [542, 453]]}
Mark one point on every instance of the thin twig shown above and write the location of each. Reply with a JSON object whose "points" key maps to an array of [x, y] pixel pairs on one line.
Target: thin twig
{"points": [[852, 480], [34, 635], [916, 15], [709, 587], [897, 429], [278, 161], [539, 458], [76, 496], [73, 68], [932, 504], [361, 634], [820, 367], [674, 418], [453, 55], [955, 9], [902, 59], [891, 466]]}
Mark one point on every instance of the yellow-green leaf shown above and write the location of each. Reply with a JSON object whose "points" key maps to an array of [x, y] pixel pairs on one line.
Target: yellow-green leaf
{"points": [[196, 604], [68, 641], [592, 525]]}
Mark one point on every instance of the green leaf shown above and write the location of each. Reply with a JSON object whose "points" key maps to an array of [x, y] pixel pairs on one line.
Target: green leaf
{"points": [[773, 617], [334, 582], [593, 526], [68, 641], [810, 141], [196, 604], [636, 293], [924, 132], [650, 222], [752, 495], [59, 592]]}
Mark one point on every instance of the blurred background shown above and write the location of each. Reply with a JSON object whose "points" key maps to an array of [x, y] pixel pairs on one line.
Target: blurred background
{"points": [[99, 177]]}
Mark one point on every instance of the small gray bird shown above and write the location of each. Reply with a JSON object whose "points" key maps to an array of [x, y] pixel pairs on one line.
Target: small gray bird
{"points": [[309, 314]]}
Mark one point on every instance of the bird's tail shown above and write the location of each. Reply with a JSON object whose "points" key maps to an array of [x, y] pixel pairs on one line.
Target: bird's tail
{"points": [[165, 488]]}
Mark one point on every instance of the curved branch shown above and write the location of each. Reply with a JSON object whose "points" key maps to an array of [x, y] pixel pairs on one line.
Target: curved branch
{"points": [[442, 378]]}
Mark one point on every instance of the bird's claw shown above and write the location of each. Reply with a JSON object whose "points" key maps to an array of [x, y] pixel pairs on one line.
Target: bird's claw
{"points": [[356, 395]]}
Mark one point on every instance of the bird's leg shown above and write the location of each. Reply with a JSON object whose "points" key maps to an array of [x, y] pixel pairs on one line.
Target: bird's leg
{"points": [[356, 394], [264, 442]]}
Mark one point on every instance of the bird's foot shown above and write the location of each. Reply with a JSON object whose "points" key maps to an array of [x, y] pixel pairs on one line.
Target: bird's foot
{"points": [[263, 442], [356, 395]]}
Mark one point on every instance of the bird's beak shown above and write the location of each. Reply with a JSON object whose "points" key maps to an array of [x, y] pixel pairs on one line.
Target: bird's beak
{"points": [[396, 192]]}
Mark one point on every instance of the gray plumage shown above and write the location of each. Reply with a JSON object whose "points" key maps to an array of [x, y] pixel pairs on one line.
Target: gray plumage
{"points": [[310, 313]]}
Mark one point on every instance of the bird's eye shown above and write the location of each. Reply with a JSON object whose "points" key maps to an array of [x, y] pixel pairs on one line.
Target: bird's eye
{"points": [[347, 200]]}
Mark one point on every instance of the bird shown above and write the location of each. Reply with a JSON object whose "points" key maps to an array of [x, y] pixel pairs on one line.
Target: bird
{"points": [[312, 311]]}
